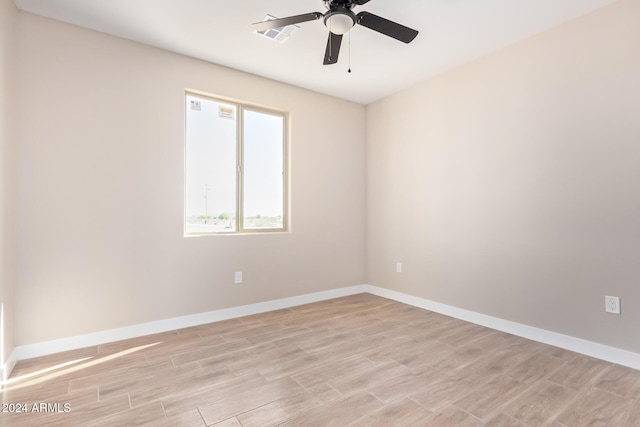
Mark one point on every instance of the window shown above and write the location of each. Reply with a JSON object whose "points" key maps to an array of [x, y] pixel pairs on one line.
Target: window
{"points": [[235, 168]]}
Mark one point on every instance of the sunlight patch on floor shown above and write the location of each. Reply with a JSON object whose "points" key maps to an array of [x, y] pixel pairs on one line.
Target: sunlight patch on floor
{"points": [[65, 368]]}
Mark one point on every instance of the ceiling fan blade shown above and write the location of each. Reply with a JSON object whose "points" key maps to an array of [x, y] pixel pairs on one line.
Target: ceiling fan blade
{"points": [[333, 49], [360, 2], [386, 27], [283, 22]]}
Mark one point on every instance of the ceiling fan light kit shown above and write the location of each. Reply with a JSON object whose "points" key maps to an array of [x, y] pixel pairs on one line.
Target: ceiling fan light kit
{"points": [[339, 22], [339, 19]]}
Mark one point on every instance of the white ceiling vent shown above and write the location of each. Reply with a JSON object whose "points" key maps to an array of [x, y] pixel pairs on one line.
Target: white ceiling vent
{"points": [[280, 34]]}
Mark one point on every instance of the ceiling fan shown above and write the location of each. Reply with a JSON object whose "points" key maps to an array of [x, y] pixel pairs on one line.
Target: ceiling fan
{"points": [[339, 19]]}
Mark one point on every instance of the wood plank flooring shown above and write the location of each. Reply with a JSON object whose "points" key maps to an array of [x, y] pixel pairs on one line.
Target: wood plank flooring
{"points": [[360, 360]]}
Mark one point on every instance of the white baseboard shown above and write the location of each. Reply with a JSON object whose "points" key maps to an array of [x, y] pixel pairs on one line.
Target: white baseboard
{"points": [[589, 348], [29, 351], [610, 354]]}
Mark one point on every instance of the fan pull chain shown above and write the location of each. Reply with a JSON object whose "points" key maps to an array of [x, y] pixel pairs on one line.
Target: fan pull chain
{"points": [[349, 70], [330, 38]]}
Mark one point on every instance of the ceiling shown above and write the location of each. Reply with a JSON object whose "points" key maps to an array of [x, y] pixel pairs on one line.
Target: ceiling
{"points": [[452, 32]]}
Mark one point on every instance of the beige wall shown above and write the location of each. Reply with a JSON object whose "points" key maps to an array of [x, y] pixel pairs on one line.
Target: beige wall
{"points": [[511, 186], [101, 124], [8, 20]]}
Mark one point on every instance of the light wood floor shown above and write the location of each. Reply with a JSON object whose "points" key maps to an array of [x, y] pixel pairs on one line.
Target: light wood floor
{"points": [[360, 360]]}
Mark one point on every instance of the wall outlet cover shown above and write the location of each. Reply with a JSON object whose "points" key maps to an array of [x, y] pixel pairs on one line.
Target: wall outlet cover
{"points": [[612, 305]]}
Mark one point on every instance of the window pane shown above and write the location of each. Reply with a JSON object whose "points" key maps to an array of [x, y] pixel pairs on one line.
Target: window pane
{"points": [[210, 194], [263, 155]]}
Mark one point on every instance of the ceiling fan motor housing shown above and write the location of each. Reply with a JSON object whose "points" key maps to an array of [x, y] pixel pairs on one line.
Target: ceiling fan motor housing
{"points": [[346, 3]]}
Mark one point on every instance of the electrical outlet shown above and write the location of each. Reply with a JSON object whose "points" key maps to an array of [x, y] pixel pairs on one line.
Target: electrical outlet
{"points": [[398, 267], [612, 305], [238, 277]]}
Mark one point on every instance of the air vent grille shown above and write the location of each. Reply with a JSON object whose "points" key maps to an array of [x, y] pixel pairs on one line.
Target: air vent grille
{"points": [[280, 34]]}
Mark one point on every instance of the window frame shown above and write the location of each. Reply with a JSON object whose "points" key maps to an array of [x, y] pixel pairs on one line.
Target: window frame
{"points": [[241, 106]]}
